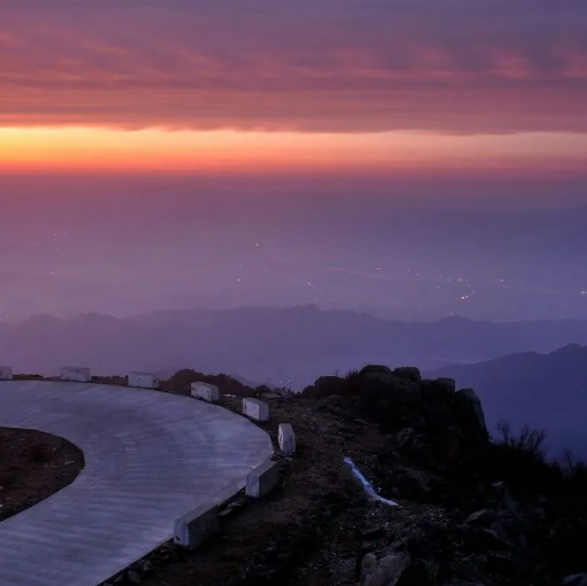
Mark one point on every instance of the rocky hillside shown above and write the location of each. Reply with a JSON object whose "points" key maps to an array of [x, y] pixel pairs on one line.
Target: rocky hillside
{"points": [[472, 510]]}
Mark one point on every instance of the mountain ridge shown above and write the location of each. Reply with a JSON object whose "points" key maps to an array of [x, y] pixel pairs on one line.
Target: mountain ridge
{"points": [[284, 346], [548, 390]]}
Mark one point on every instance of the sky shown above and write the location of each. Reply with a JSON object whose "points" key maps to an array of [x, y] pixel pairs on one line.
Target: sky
{"points": [[175, 153], [312, 87], [406, 159]]}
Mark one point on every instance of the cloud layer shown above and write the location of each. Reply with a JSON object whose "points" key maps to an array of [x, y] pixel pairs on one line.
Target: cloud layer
{"points": [[454, 66]]}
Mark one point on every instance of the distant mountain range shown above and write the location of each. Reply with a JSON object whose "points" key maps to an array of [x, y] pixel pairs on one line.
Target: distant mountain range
{"points": [[543, 390], [289, 347]]}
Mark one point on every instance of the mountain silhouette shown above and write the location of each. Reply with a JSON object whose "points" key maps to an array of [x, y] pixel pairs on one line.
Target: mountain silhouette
{"points": [[283, 347], [544, 390]]}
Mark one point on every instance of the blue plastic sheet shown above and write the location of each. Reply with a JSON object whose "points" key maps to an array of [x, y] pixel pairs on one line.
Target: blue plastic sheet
{"points": [[367, 485]]}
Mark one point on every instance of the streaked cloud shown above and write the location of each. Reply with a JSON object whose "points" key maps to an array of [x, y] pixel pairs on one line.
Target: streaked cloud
{"points": [[457, 66]]}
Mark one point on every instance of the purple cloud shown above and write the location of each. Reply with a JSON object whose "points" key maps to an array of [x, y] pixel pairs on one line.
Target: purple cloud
{"points": [[322, 65]]}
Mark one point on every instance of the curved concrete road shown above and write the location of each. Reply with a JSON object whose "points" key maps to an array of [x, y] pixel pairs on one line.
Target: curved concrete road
{"points": [[150, 457]]}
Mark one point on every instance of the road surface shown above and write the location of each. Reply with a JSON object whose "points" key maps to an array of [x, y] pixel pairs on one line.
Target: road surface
{"points": [[150, 457]]}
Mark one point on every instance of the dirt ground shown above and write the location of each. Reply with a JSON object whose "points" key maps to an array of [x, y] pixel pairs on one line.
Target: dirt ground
{"points": [[310, 531], [33, 466]]}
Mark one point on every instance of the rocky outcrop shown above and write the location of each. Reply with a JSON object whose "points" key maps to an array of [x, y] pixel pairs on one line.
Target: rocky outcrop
{"points": [[408, 372], [470, 404], [385, 571], [431, 422], [377, 372], [374, 369]]}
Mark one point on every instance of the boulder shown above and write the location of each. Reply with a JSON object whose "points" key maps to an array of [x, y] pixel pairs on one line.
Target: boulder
{"points": [[386, 378], [377, 372], [482, 518], [375, 369], [368, 566], [470, 405], [575, 580], [438, 389], [408, 372], [446, 385], [383, 572]]}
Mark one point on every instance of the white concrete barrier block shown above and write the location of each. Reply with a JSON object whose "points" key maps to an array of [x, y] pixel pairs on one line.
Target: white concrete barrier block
{"points": [[75, 374], [205, 391], [263, 479], [143, 380], [256, 409], [191, 529], [286, 439], [5, 372]]}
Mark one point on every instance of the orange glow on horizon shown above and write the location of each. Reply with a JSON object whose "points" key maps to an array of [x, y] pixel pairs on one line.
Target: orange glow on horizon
{"points": [[159, 150]]}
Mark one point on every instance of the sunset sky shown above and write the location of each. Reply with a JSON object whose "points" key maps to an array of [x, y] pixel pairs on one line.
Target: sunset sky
{"points": [[311, 86]]}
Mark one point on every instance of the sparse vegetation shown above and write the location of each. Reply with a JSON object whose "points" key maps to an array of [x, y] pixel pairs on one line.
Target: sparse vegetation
{"points": [[521, 461], [556, 490], [530, 441]]}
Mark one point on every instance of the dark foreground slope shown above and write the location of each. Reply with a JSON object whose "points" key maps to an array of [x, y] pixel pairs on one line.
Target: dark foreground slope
{"points": [[472, 512]]}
